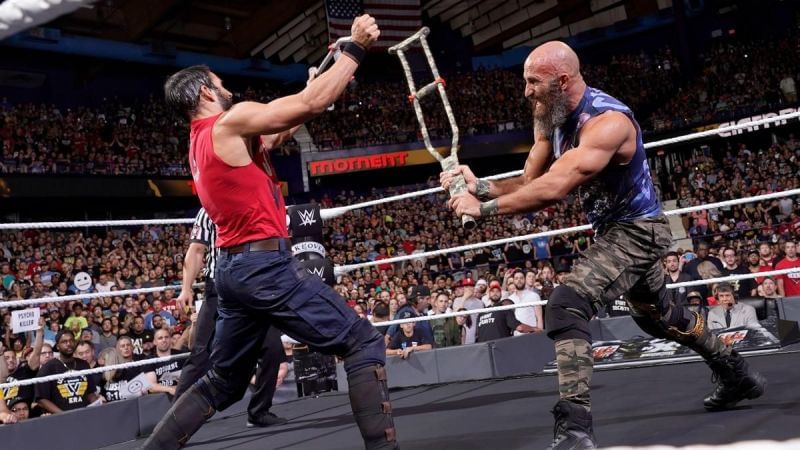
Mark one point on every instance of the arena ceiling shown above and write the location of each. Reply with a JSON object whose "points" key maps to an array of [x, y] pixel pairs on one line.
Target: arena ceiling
{"points": [[288, 31]]}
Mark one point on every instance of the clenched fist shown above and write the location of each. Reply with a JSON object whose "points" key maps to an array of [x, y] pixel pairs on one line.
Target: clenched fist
{"points": [[365, 31]]}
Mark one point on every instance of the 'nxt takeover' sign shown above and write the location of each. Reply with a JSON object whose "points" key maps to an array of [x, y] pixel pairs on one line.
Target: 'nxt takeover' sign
{"points": [[357, 163]]}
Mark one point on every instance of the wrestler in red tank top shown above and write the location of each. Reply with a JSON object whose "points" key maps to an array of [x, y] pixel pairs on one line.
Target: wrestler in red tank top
{"points": [[244, 202]]}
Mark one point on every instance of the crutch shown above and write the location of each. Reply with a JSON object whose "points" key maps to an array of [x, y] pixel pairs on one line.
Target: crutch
{"points": [[334, 51], [438, 83]]}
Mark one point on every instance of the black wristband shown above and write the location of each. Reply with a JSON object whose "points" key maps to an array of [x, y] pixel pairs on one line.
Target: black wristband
{"points": [[354, 51]]}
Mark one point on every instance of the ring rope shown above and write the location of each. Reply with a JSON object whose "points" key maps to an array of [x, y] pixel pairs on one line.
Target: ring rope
{"points": [[338, 270], [389, 323], [329, 213], [91, 295], [92, 371]]}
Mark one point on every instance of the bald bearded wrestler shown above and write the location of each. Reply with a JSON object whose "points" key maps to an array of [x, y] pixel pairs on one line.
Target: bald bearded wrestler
{"points": [[586, 139]]}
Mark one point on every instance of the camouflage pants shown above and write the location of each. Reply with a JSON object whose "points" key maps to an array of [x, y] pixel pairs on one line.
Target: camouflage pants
{"points": [[626, 257]]}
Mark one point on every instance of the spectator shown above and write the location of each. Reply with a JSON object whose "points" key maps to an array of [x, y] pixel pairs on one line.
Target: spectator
{"points": [[17, 369], [468, 301], [789, 284], [446, 332], [158, 310], [697, 303], [690, 267], [672, 265], [768, 288], [85, 351], [76, 321], [464, 323], [417, 302], [789, 89], [111, 387], [107, 337], [729, 313], [730, 266], [166, 375], [408, 340], [531, 317], [141, 338], [500, 324], [70, 392], [20, 407], [381, 314]]}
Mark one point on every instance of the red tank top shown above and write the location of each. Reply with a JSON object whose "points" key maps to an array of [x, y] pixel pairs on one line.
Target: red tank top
{"points": [[245, 203]]}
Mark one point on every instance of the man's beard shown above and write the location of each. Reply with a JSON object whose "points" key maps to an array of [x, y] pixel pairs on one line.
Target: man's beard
{"points": [[225, 102], [555, 110]]}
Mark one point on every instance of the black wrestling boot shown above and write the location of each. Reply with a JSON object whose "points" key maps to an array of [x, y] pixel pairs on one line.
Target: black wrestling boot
{"points": [[735, 382], [369, 398], [573, 429], [183, 419], [267, 420]]}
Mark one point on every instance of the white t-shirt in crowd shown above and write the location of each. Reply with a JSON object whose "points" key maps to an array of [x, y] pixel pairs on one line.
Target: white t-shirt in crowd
{"points": [[106, 287], [525, 315]]}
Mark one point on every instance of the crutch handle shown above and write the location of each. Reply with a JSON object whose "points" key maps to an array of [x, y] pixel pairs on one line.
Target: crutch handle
{"points": [[458, 186], [332, 49]]}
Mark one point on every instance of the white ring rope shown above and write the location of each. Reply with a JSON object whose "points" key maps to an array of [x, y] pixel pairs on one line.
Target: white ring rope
{"points": [[470, 312], [389, 323], [329, 213], [744, 276], [92, 371], [338, 270], [91, 295]]}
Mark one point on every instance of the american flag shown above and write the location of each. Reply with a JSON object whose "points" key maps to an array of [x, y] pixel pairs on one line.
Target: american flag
{"points": [[397, 19]]}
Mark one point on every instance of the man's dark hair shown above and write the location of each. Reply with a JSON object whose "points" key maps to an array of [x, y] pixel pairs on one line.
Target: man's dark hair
{"points": [[675, 254], [182, 89], [89, 343], [380, 310]]}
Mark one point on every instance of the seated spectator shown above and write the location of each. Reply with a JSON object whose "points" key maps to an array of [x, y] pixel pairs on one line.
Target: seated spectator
{"points": [[416, 303], [141, 338], [85, 350], [380, 313], [20, 407], [468, 301], [768, 288], [76, 321], [789, 284], [532, 317], [729, 313], [159, 311], [499, 324], [70, 392], [464, 324], [410, 339], [6, 415], [107, 338], [112, 380], [165, 375], [446, 332], [696, 303]]}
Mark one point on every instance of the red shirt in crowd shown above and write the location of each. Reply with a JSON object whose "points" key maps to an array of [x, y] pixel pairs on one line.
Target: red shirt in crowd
{"points": [[791, 281], [244, 202]]}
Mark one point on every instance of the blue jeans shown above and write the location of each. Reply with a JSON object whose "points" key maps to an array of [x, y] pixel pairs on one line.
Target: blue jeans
{"points": [[260, 289]]}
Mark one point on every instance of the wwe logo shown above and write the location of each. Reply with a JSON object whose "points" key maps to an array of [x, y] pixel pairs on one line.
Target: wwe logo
{"points": [[318, 271], [307, 217]]}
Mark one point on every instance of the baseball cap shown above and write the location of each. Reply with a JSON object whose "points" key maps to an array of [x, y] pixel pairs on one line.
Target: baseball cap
{"points": [[694, 294], [406, 315], [467, 282], [481, 282], [15, 400], [495, 285], [62, 332]]}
